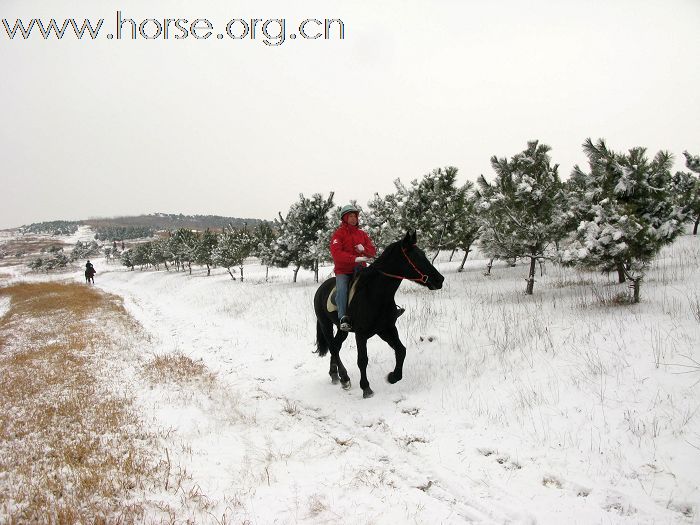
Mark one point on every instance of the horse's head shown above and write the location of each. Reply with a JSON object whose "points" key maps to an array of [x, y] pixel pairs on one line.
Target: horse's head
{"points": [[405, 260]]}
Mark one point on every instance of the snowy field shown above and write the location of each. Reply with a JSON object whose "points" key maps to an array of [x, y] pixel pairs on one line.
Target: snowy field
{"points": [[561, 407]]}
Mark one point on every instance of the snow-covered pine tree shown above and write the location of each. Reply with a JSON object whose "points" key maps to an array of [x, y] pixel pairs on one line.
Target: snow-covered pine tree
{"points": [[626, 211], [126, 260], [383, 220], [232, 248], [298, 243], [690, 188], [264, 240], [432, 206], [183, 244], [467, 227], [205, 247], [521, 212]]}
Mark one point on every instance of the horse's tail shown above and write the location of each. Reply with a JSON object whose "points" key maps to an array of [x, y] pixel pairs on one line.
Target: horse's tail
{"points": [[321, 342]]}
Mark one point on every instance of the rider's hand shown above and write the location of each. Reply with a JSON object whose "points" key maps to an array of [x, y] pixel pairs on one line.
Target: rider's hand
{"points": [[361, 259], [360, 248]]}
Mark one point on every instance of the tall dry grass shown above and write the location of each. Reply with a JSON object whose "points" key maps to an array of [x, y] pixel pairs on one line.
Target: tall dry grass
{"points": [[71, 451]]}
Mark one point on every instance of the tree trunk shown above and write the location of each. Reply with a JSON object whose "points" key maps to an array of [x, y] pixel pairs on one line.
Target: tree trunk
{"points": [[620, 272], [695, 228], [435, 256], [189, 265], [208, 270], [267, 272], [296, 271], [316, 270], [464, 259], [166, 266], [531, 277], [231, 274], [453, 253], [488, 267], [241, 268], [635, 287]]}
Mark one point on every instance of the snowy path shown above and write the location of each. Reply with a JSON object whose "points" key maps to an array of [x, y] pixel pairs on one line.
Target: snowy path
{"points": [[507, 413], [379, 460]]}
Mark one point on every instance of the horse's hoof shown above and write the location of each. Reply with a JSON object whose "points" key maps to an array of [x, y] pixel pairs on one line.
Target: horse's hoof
{"points": [[367, 393], [346, 384], [335, 379], [392, 378]]}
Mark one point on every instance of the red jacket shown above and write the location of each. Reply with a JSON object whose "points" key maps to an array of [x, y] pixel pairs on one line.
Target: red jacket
{"points": [[343, 249]]}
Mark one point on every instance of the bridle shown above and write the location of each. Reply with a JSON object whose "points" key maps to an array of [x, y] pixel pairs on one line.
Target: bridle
{"points": [[423, 277]]}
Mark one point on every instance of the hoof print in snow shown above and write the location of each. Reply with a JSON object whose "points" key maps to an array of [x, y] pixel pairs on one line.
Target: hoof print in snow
{"points": [[410, 440], [410, 411], [684, 507], [551, 482], [617, 505], [429, 338], [485, 451], [344, 442], [425, 487], [507, 463]]}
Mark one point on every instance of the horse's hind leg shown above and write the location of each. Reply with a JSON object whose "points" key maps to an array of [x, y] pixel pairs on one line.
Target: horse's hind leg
{"points": [[338, 371], [362, 361], [391, 336]]}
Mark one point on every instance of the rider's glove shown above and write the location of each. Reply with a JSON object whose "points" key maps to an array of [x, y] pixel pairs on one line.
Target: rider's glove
{"points": [[361, 259], [360, 248]]}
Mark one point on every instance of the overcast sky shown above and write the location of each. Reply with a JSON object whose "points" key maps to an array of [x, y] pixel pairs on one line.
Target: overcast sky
{"points": [[239, 128]]}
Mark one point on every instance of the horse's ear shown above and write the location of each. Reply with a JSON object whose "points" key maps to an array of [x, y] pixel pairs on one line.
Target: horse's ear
{"points": [[406, 241], [413, 237]]}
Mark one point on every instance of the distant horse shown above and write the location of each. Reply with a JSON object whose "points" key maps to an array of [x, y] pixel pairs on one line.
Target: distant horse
{"points": [[372, 309], [90, 275]]}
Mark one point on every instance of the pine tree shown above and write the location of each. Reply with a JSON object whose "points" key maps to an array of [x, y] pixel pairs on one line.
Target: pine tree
{"points": [[625, 209], [383, 220], [688, 189], [183, 244], [264, 240], [300, 233], [521, 212], [205, 247], [232, 248], [432, 206], [467, 227]]}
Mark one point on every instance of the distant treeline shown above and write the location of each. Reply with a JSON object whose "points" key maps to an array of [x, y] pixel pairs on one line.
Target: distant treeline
{"points": [[111, 233], [171, 222], [52, 227]]}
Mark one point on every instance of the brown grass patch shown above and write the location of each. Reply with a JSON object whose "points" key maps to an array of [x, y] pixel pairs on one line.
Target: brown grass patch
{"points": [[23, 249], [178, 368], [71, 451]]}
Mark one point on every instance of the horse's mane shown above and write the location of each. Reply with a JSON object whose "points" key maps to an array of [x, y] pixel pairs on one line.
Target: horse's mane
{"points": [[379, 264]]}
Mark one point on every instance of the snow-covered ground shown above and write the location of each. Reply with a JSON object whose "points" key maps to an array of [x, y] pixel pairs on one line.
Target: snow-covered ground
{"points": [[561, 407]]}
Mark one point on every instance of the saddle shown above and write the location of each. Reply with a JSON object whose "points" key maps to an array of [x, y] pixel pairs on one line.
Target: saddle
{"points": [[331, 305]]}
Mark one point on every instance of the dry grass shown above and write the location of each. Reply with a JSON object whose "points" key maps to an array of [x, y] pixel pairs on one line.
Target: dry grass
{"points": [[178, 368], [22, 249], [70, 450]]}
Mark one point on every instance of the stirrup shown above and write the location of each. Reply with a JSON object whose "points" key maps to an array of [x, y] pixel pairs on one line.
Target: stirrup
{"points": [[345, 325]]}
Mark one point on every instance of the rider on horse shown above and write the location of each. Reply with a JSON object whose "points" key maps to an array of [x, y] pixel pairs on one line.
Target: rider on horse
{"points": [[351, 248]]}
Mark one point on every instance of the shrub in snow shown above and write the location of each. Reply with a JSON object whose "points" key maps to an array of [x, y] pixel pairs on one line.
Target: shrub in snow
{"points": [[625, 210]]}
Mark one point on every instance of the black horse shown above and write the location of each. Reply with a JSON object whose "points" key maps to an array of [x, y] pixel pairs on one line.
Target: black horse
{"points": [[90, 275], [372, 309]]}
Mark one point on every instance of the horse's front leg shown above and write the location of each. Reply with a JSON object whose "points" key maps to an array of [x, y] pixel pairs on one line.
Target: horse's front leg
{"points": [[362, 360], [391, 336]]}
